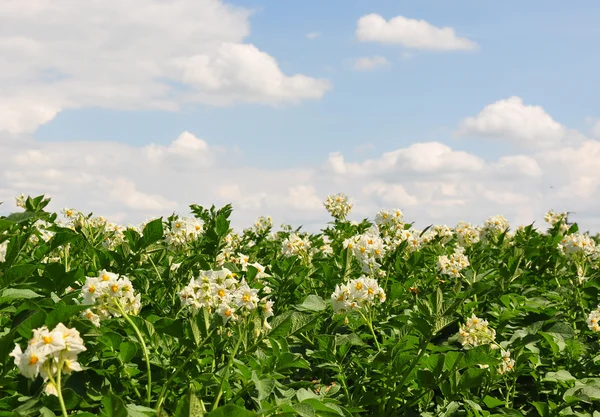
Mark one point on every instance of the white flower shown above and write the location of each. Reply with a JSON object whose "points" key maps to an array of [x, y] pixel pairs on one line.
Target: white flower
{"points": [[494, 226], [357, 294], [593, 320], [476, 332], [338, 206], [106, 295], [466, 234], [47, 342], [295, 245], [453, 264], [507, 364], [20, 201], [48, 349], [3, 248]]}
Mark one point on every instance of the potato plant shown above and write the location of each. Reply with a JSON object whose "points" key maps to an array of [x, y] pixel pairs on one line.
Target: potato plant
{"points": [[182, 316]]}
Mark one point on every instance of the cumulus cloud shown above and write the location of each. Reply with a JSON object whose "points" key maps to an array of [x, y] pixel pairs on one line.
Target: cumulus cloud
{"points": [[411, 33], [133, 54], [430, 181], [512, 120], [596, 129], [369, 63]]}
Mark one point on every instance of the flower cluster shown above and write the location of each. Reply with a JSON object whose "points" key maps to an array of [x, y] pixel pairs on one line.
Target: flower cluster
{"points": [[41, 232], [367, 248], [48, 352], [232, 243], [453, 264], [507, 364], [325, 248], [494, 226], [577, 244], [220, 291], [338, 206], [466, 234], [20, 200], [262, 225], [357, 294], [553, 218], [183, 230], [108, 295], [390, 218], [594, 319], [295, 245], [113, 235], [3, 248], [476, 332]]}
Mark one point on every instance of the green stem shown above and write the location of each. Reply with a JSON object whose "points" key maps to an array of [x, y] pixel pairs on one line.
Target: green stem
{"points": [[348, 264], [57, 385], [226, 372], [161, 397], [370, 325], [144, 348]]}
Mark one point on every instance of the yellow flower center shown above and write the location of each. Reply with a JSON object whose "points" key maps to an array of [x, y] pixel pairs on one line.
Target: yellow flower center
{"points": [[105, 277], [371, 291], [92, 289], [177, 225], [114, 288], [47, 339], [221, 293], [90, 315], [246, 298], [358, 286], [228, 312], [197, 227], [33, 360]]}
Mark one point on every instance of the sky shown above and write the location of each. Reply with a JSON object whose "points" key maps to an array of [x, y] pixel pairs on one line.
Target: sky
{"points": [[454, 110]]}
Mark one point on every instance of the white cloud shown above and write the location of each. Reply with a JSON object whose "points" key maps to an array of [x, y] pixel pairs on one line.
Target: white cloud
{"points": [[411, 33], [430, 181], [512, 120], [133, 54], [596, 129], [369, 63], [313, 35]]}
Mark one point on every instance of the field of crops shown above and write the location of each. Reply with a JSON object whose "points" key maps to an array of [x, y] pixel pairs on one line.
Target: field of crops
{"points": [[182, 316]]}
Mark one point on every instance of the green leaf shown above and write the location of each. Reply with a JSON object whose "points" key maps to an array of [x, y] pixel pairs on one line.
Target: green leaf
{"points": [[561, 375], [230, 410], [312, 303], [139, 411], [63, 312], [492, 402], [542, 408], [153, 232], [190, 405], [127, 351], [113, 406], [304, 410], [19, 273], [472, 377], [263, 386], [587, 394], [303, 394], [11, 294]]}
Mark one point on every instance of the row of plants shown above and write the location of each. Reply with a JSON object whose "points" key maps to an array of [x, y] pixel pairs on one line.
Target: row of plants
{"points": [[183, 316]]}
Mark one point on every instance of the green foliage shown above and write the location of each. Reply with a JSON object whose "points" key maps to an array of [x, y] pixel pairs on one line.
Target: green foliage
{"points": [[398, 358]]}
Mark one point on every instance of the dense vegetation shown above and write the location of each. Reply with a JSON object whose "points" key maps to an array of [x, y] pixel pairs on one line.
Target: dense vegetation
{"points": [[184, 317]]}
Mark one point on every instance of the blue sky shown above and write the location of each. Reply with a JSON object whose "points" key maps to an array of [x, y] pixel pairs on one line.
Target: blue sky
{"points": [[542, 52]]}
